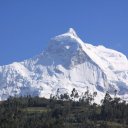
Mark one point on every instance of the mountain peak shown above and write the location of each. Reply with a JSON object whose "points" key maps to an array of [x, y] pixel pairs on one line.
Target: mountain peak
{"points": [[72, 32], [67, 63]]}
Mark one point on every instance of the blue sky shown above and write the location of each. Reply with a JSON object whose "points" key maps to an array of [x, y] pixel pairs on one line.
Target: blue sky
{"points": [[26, 26]]}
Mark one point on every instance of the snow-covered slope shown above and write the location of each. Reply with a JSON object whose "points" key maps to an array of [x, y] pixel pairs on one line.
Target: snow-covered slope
{"points": [[67, 63]]}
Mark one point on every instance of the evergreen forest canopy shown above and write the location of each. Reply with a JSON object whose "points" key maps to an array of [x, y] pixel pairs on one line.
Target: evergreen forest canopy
{"points": [[63, 111]]}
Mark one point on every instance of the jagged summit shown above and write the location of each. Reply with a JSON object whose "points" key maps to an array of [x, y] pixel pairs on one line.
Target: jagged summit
{"points": [[67, 42]]}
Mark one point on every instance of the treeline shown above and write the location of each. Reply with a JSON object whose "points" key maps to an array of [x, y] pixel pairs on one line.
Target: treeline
{"points": [[64, 111]]}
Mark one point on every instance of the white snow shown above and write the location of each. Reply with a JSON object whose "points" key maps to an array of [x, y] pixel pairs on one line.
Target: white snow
{"points": [[67, 63]]}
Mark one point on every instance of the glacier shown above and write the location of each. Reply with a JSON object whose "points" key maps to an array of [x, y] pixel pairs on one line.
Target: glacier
{"points": [[67, 63]]}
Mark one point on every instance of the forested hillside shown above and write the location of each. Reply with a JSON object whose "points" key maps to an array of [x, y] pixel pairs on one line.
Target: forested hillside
{"points": [[64, 111]]}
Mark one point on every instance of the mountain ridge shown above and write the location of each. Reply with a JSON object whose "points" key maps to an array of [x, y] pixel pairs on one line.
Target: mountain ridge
{"points": [[67, 63]]}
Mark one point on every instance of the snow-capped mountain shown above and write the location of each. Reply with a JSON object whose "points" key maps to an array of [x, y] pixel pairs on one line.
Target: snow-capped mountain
{"points": [[67, 63]]}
